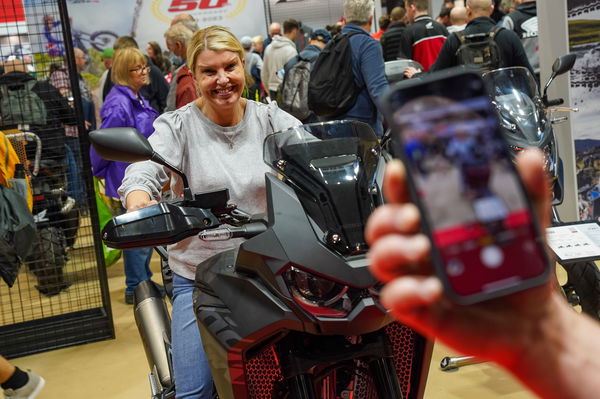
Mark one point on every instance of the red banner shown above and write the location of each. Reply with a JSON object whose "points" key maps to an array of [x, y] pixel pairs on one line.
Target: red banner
{"points": [[11, 11]]}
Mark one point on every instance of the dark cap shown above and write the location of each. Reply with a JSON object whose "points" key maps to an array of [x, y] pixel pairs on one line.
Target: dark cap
{"points": [[321, 34]]}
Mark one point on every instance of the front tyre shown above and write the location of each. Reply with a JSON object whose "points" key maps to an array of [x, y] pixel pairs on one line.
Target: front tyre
{"points": [[584, 278]]}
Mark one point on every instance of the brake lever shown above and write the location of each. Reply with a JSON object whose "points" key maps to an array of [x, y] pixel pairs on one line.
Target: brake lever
{"points": [[233, 216]]}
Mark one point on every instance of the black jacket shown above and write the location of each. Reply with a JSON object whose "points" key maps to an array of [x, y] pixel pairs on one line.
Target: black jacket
{"points": [[390, 41], [510, 46], [156, 92], [58, 112], [523, 21]]}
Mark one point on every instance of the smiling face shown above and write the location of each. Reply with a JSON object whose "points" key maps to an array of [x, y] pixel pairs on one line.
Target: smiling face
{"points": [[219, 77]]}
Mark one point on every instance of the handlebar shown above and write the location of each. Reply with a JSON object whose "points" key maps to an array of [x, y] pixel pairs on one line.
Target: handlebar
{"points": [[168, 223], [555, 102], [248, 230]]}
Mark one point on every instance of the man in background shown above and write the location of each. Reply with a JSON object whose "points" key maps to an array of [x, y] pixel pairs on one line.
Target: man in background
{"points": [[423, 39], [182, 89], [274, 30], [444, 16], [107, 58], [187, 20], [390, 41], [458, 19], [367, 64], [524, 22], [253, 67], [384, 23], [478, 15], [281, 50]]}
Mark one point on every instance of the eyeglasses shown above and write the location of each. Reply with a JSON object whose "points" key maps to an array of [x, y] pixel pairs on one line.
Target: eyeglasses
{"points": [[141, 70]]}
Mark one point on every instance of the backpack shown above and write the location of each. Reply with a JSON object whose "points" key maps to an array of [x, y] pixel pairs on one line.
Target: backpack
{"points": [[293, 96], [480, 49], [332, 90], [19, 105], [17, 232]]}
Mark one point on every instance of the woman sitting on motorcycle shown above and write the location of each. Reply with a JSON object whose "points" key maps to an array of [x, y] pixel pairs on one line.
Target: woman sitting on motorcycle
{"points": [[217, 142]]}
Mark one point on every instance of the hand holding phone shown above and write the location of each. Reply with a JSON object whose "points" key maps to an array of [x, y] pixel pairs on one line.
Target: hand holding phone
{"points": [[485, 239]]}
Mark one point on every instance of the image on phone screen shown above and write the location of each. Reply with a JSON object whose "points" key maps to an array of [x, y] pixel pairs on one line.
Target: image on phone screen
{"points": [[466, 185]]}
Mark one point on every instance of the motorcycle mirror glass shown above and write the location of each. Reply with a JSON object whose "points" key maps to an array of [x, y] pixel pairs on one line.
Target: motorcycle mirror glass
{"points": [[124, 144], [563, 64]]}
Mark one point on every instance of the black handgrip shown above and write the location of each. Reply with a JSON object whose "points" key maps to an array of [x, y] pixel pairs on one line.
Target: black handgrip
{"points": [[250, 230], [555, 102]]}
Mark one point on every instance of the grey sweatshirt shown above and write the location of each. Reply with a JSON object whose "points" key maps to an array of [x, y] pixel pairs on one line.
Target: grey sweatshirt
{"points": [[212, 157]]}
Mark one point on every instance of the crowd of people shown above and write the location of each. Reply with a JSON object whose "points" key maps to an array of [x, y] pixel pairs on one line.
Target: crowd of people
{"points": [[219, 106]]}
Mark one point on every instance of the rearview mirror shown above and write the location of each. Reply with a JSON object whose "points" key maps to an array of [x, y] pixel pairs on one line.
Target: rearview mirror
{"points": [[124, 144], [563, 64]]}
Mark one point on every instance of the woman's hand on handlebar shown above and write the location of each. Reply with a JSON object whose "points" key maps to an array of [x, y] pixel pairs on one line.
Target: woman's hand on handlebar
{"points": [[138, 199]]}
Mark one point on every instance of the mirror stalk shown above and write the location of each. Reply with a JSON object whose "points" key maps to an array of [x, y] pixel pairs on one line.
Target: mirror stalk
{"points": [[187, 193]]}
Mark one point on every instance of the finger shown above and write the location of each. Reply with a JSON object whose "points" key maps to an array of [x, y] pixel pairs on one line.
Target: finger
{"points": [[406, 294], [394, 182], [136, 207], [530, 164], [392, 219], [396, 255]]}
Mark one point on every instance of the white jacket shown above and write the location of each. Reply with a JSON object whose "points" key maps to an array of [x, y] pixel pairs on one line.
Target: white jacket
{"points": [[280, 51]]}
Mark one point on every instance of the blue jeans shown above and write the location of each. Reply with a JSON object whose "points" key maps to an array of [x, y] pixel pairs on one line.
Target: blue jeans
{"points": [[190, 365], [137, 267]]}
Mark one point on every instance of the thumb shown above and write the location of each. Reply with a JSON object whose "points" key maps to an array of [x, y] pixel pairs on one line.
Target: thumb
{"points": [[530, 164]]}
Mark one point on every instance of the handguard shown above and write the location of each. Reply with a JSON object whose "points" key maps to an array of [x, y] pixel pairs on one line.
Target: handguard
{"points": [[161, 224]]}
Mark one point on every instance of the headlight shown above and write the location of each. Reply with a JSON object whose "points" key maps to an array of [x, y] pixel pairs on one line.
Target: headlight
{"points": [[320, 296]]}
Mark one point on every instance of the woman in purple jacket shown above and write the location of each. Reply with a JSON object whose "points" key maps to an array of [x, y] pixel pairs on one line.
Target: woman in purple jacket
{"points": [[124, 106]]}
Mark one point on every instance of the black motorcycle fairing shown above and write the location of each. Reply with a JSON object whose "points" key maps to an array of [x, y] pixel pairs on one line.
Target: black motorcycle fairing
{"points": [[290, 227], [332, 167], [245, 309]]}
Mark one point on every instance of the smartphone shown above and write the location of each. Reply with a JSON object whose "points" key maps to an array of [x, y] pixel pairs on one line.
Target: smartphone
{"points": [[486, 242]]}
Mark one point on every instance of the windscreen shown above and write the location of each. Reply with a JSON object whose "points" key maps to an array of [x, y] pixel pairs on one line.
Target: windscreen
{"points": [[332, 168], [515, 95]]}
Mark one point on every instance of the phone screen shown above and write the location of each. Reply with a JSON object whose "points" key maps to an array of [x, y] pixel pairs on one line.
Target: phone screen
{"points": [[464, 181]]}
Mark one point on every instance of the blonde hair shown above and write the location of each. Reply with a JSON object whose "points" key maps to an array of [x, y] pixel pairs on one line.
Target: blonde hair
{"points": [[123, 60], [215, 38]]}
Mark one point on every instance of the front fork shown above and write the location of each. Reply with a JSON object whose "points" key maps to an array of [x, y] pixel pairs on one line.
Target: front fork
{"points": [[384, 376], [301, 386]]}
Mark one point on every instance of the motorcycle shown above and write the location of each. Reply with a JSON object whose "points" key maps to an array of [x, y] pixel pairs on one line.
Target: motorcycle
{"points": [[293, 312], [527, 120]]}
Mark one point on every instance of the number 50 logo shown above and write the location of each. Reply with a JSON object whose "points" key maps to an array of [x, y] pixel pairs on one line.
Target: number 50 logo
{"points": [[162, 9], [189, 5]]}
